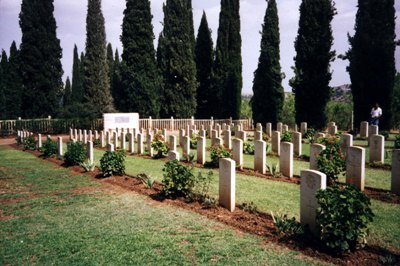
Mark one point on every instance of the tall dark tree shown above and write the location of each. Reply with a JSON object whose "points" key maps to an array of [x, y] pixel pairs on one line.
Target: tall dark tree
{"points": [[191, 24], [3, 81], [312, 62], [97, 81], [140, 79], [204, 61], [40, 59], [227, 79], [110, 62], [372, 62], [268, 97], [179, 76], [77, 90], [116, 82], [67, 93]]}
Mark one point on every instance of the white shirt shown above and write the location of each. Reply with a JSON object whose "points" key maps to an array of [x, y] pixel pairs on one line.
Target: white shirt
{"points": [[375, 113]]}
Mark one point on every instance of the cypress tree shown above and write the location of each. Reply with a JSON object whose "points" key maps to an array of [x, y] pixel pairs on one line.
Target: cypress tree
{"points": [[77, 90], [3, 81], [161, 65], [191, 24], [372, 61], [67, 92], [204, 60], [227, 80], [110, 63], [179, 76], [268, 97], [312, 62], [40, 59], [116, 82], [97, 81], [141, 87]]}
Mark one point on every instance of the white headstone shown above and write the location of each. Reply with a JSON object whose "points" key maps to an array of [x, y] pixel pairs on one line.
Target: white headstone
{"points": [[172, 143], [59, 148], [140, 143], [185, 146], [173, 155], [268, 130], [201, 150], [258, 135], [110, 147], [260, 156], [297, 145], [346, 141], [364, 129], [315, 150], [286, 159], [227, 139], [276, 142], [89, 151], [237, 152], [279, 127], [355, 167], [377, 149], [227, 183], [131, 147], [303, 128]]}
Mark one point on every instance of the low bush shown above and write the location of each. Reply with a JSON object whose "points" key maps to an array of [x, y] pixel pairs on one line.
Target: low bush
{"points": [[113, 163], [310, 135], [178, 180], [273, 169], [160, 147], [343, 217], [249, 207], [193, 141], [248, 148], [385, 134], [397, 142], [88, 166], [218, 152], [76, 154], [147, 180], [30, 143], [286, 137], [49, 148], [331, 161], [287, 227]]}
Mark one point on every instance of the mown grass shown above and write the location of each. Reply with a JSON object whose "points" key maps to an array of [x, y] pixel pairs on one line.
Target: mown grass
{"points": [[279, 197], [49, 223]]}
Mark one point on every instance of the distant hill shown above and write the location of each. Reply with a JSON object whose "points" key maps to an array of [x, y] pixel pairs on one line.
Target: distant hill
{"points": [[341, 93]]}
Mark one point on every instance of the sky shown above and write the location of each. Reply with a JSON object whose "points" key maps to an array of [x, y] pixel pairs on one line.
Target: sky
{"points": [[71, 29]]}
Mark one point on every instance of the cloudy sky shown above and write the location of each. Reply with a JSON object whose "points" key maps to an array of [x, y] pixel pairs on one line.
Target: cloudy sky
{"points": [[71, 15]]}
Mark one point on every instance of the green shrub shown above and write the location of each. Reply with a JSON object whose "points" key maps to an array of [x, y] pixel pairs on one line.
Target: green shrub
{"points": [[286, 137], [397, 142], [30, 143], [160, 147], [178, 180], [287, 227], [249, 207], [76, 154], [113, 163], [342, 217], [273, 169], [310, 135], [49, 148], [88, 166], [248, 148], [331, 161], [147, 180], [202, 185], [385, 134], [193, 141], [218, 152]]}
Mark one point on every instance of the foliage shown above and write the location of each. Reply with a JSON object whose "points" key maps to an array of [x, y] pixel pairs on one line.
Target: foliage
{"points": [[160, 147], [312, 62], [202, 185], [67, 92], [273, 169], [178, 180], [248, 148], [40, 57], [193, 141], [218, 152], [287, 227], [227, 68], [397, 142], [340, 112], [385, 134], [97, 82], [88, 166], [140, 79], [30, 143], [396, 103], [204, 56], [249, 207], [77, 79], [75, 154], [286, 137], [245, 109], [113, 163], [268, 97], [147, 180], [49, 148], [179, 72], [209, 202], [331, 161], [288, 110], [372, 59], [310, 135], [342, 217]]}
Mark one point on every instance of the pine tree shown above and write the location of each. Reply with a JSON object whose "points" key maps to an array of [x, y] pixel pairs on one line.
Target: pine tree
{"points": [[141, 87], [97, 81], [179, 76], [268, 97], [77, 90], [312, 62], [227, 78], [40, 59], [372, 61], [204, 60], [67, 92]]}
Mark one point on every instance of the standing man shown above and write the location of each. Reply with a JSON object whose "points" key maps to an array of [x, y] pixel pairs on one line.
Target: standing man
{"points": [[376, 113]]}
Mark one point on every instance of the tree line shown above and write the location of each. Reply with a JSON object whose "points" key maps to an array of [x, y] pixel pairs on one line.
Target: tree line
{"points": [[185, 75]]}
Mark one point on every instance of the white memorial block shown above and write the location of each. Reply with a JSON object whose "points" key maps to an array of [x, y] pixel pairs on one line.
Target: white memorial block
{"points": [[237, 152], [115, 121], [140, 143], [286, 159], [310, 182], [364, 129], [227, 183], [315, 150], [173, 155], [377, 149], [395, 184], [276, 142], [110, 147], [297, 145], [260, 156], [303, 128], [201, 150], [89, 151], [59, 148], [227, 139], [268, 130], [355, 167], [172, 143]]}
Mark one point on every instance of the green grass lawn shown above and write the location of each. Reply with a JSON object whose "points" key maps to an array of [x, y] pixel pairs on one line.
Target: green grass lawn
{"points": [[281, 197], [45, 221]]}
